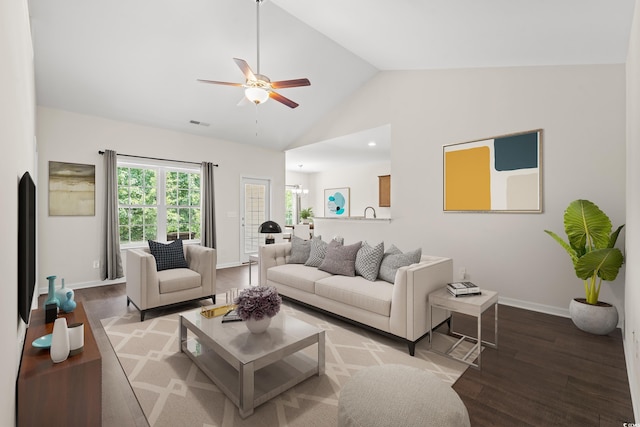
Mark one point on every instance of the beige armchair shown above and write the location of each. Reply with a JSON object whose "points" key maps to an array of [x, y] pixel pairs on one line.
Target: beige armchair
{"points": [[148, 288]]}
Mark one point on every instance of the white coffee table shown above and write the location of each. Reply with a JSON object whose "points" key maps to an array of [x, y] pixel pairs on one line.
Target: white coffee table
{"points": [[250, 369]]}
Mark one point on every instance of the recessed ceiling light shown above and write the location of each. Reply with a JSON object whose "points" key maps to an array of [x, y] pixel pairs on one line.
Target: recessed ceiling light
{"points": [[372, 144]]}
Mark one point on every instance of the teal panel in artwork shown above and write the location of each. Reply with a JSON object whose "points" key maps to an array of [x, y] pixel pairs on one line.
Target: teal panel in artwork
{"points": [[516, 152]]}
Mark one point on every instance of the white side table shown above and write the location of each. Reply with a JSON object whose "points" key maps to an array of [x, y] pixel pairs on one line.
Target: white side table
{"points": [[472, 306]]}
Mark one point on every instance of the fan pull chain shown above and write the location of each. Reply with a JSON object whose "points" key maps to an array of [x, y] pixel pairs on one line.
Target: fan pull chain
{"points": [[256, 107]]}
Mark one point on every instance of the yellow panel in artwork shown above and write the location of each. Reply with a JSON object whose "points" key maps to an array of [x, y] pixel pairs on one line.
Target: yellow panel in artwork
{"points": [[468, 179]]}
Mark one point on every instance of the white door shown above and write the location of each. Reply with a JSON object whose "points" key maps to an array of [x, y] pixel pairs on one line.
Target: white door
{"points": [[254, 210]]}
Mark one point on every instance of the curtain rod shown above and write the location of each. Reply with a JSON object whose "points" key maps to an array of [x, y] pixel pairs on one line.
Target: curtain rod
{"points": [[155, 158]]}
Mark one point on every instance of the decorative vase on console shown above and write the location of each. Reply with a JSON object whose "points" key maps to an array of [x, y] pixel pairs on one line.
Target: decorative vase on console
{"points": [[68, 305], [257, 305], [51, 295], [61, 294], [59, 341]]}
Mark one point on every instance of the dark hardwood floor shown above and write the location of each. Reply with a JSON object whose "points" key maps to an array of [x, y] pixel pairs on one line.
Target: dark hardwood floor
{"points": [[545, 371]]}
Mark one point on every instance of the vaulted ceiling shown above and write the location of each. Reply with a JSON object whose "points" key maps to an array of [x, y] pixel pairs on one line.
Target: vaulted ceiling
{"points": [[138, 60]]}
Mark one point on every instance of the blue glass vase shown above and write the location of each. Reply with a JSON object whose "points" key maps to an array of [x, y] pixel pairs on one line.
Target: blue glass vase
{"points": [[51, 295], [61, 293], [69, 304]]}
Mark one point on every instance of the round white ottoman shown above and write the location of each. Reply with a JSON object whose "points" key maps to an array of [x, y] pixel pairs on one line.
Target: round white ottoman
{"points": [[398, 395]]}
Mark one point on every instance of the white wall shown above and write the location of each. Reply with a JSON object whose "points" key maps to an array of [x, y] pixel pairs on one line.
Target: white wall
{"points": [[69, 245], [632, 290], [17, 131], [362, 182], [582, 112]]}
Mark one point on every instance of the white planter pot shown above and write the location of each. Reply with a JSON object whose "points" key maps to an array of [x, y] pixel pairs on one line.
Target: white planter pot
{"points": [[598, 319]]}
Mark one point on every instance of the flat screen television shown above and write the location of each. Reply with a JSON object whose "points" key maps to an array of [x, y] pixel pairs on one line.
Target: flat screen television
{"points": [[26, 245]]}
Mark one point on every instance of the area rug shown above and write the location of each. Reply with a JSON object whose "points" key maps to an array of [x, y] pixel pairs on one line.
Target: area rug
{"points": [[172, 391]]}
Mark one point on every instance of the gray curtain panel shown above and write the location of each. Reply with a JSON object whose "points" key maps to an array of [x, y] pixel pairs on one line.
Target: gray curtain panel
{"points": [[208, 214], [113, 261]]}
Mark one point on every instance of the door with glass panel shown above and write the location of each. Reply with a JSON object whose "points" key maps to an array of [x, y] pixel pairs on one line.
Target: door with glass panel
{"points": [[254, 210]]}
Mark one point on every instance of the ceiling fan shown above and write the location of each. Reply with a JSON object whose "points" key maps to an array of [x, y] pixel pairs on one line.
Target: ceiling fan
{"points": [[258, 87]]}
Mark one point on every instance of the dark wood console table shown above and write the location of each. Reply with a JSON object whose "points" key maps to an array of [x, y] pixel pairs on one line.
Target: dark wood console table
{"points": [[59, 394]]}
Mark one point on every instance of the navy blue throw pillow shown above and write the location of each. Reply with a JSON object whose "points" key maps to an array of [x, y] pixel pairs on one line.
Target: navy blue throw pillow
{"points": [[168, 255]]}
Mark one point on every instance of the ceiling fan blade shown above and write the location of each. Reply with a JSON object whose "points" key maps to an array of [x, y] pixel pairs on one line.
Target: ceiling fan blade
{"points": [[246, 70], [220, 83], [290, 83], [285, 101]]}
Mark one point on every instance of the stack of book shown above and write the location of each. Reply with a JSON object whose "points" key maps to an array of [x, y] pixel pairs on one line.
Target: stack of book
{"points": [[458, 289]]}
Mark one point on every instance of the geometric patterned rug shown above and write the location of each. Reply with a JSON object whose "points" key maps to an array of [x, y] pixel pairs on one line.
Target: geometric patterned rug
{"points": [[172, 391]]}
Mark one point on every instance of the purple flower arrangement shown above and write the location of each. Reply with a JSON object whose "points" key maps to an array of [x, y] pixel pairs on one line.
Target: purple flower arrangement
{"points": [[258, 302]]}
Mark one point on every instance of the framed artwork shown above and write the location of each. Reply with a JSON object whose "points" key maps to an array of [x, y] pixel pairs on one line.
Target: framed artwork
{"points": [[71, 189], [336, 202], [499, 174]]}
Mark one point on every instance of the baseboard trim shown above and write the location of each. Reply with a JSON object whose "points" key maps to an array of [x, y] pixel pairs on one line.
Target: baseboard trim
{"points": [[82, 285], [229, 265], [542, 308], [43, 290]]}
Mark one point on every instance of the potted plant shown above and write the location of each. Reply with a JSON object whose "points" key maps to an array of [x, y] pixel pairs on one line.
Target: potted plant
{"points": [[591, 248], [305, 214], [257, 305]]}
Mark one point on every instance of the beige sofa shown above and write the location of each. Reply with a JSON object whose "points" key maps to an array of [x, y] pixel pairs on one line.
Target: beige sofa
{"points": [[148, 288], [399, 310]]}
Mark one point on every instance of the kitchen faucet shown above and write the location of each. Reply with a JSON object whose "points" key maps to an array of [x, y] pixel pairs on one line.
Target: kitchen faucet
{"points": [[369, 207]]}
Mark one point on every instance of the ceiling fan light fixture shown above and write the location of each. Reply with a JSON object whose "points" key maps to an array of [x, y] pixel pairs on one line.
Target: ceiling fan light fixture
{"points": [[256, 95]]}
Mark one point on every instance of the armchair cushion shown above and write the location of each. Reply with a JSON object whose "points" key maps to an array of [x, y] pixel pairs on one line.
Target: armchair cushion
{"points": [[168, 256], [178, 279]]}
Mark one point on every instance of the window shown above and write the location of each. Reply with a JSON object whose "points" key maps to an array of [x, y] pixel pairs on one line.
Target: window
{"points": [[255, 213], [158, 203], [291, 205], [183, 205]]}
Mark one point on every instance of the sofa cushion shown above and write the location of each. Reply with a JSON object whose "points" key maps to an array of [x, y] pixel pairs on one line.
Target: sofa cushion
{"points": [[168, 255], [317, 253], [368, 260], [178, 279], [300, 250], [340, 259], [296, 276], [357, 292], [394, 259]]}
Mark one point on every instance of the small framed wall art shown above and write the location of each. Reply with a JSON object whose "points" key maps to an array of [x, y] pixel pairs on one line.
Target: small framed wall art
{"points": [[336, 202], [71, 189], [499, 174]]}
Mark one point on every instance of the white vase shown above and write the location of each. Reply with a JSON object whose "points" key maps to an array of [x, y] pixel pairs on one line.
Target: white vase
{"points": [[59, 341], [258, 326], [76, 338]]}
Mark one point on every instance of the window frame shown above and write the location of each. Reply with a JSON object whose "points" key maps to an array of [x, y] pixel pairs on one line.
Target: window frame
{"points": [[294, 205], [162, 168]]}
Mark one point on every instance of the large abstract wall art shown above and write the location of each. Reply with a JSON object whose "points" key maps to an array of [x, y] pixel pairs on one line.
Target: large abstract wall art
{"points": [[71, 189], [501, 174], [336, 202]]}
